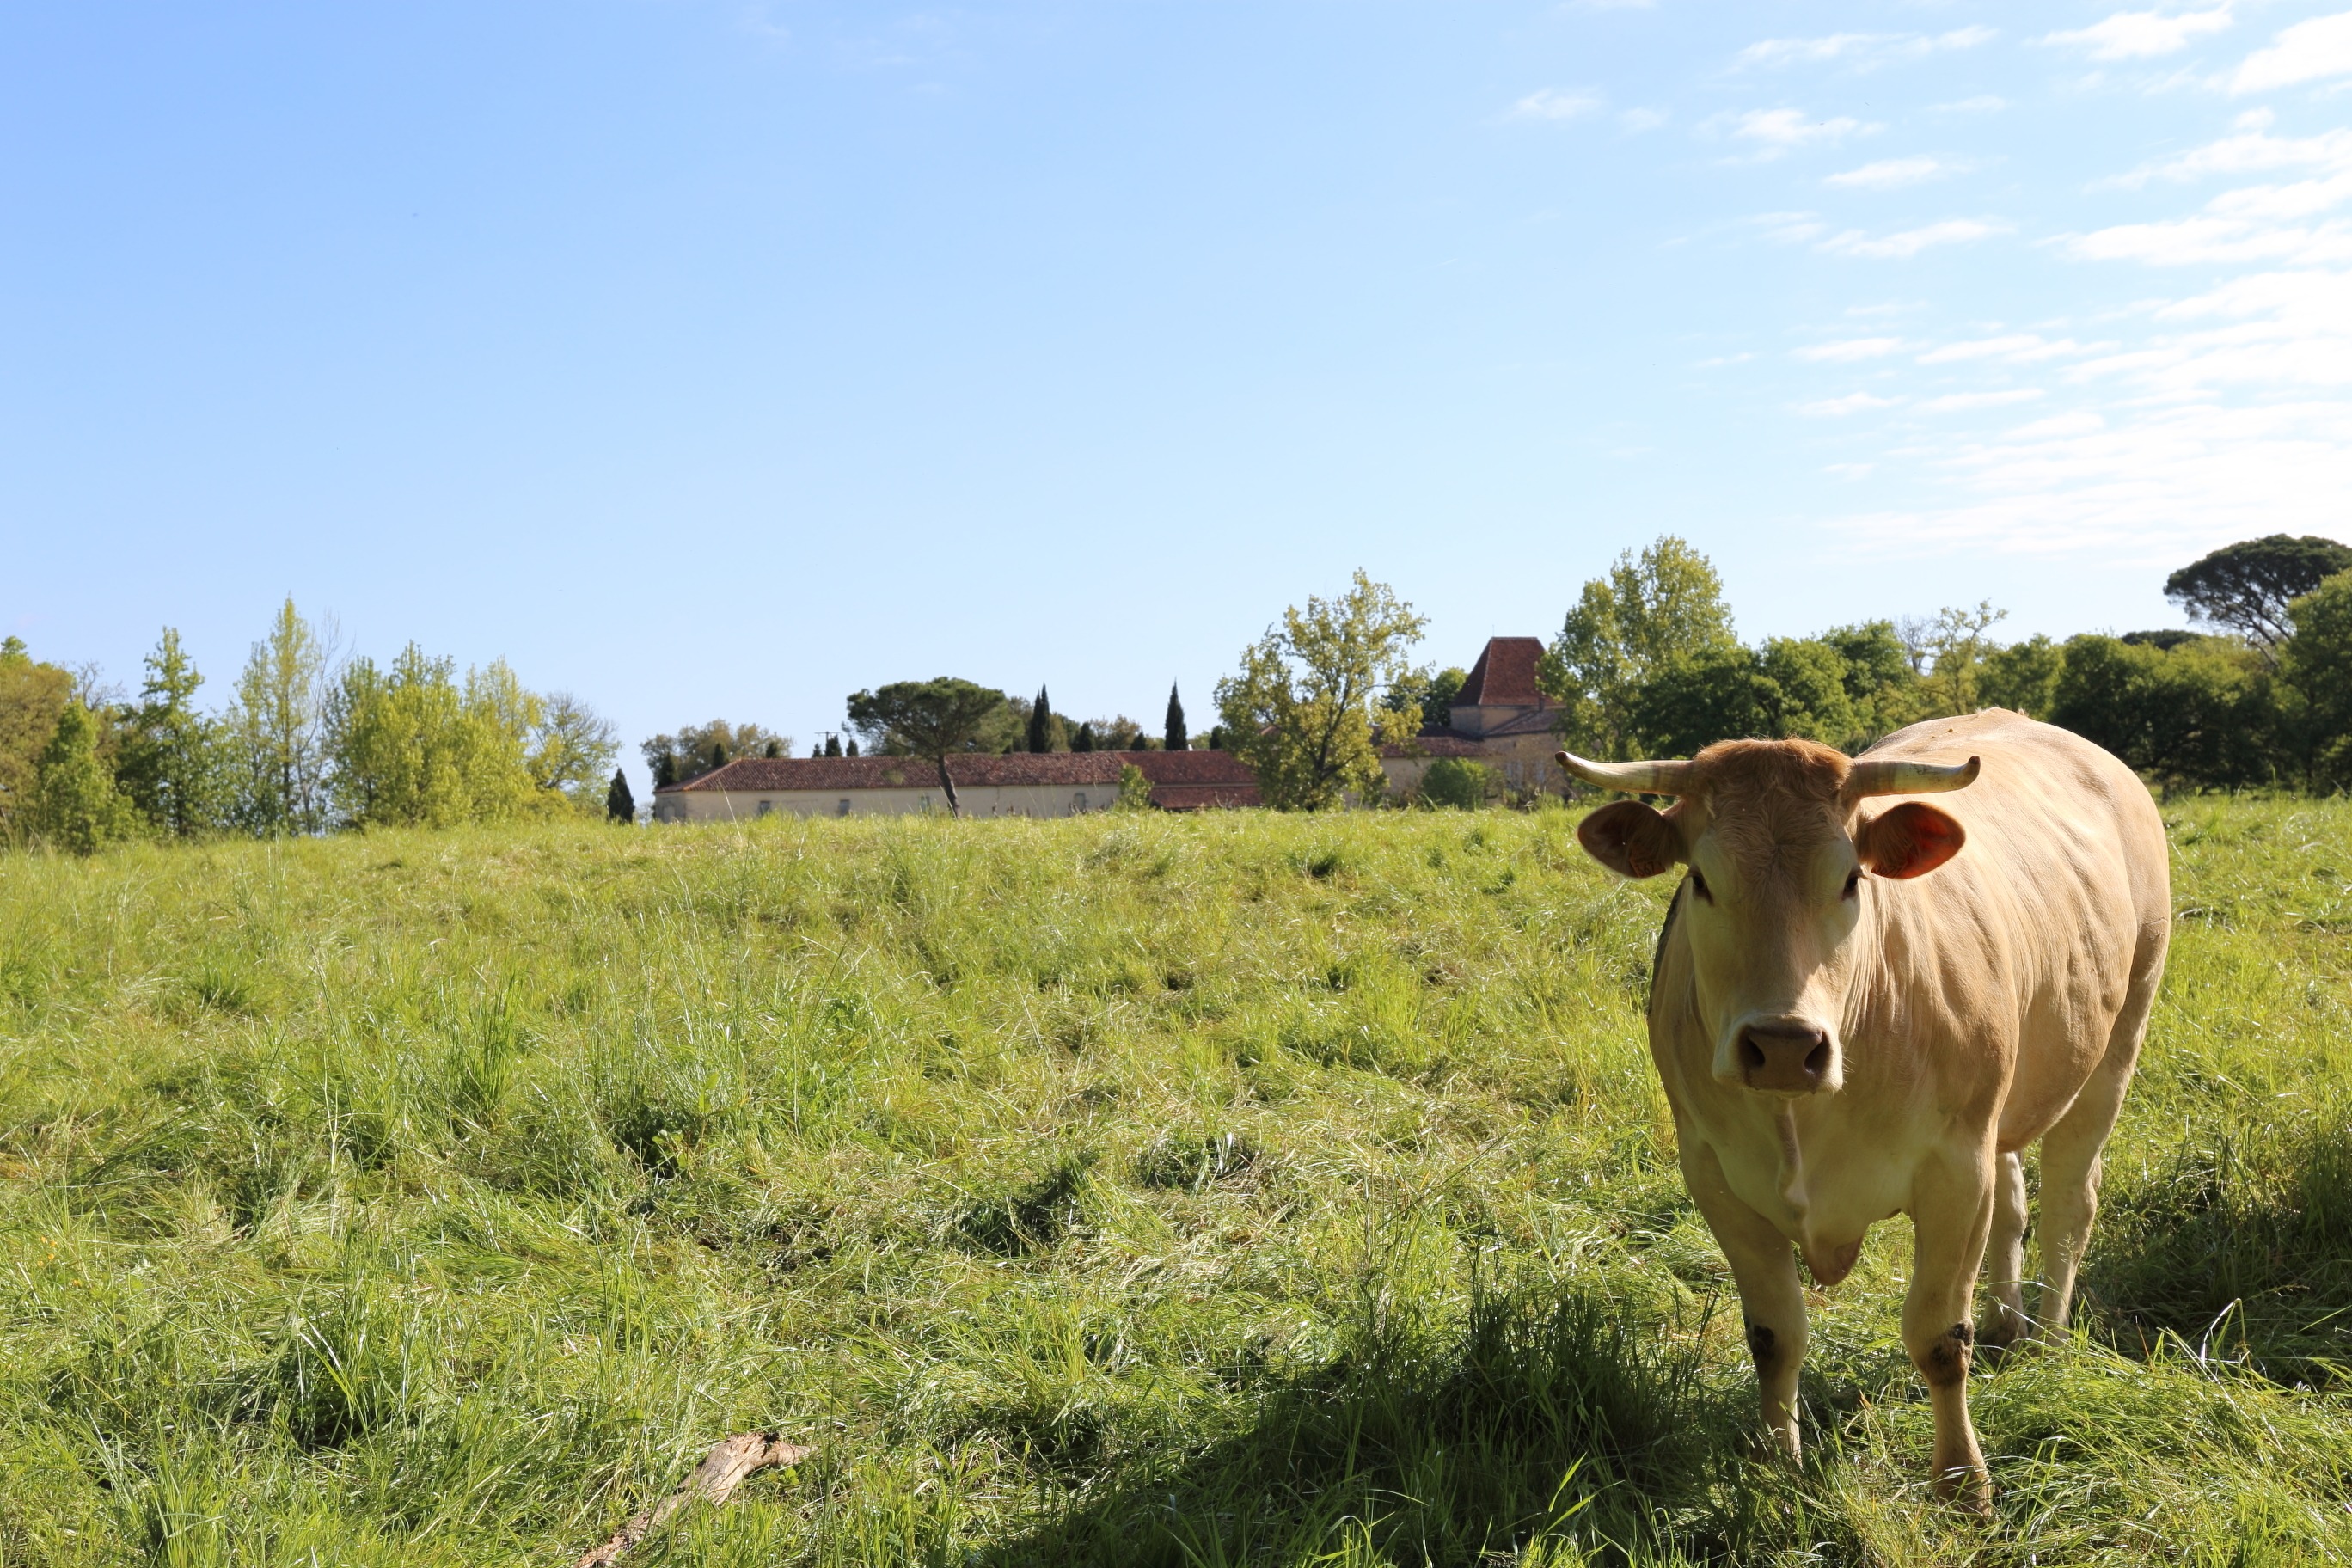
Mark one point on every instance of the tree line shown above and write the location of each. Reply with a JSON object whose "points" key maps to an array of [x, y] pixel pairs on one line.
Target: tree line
{"points": [[308, 741], [1647, 663]]}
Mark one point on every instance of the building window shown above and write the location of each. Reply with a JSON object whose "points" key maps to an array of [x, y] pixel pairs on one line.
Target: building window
{"points": [[1078, 801], [843, 809], [767, 808]]}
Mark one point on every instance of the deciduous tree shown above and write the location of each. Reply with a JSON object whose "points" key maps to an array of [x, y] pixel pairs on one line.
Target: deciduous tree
{"points": [[1663, 604], [171, 763], [32, 695], [78, 807], [1305, 710]]}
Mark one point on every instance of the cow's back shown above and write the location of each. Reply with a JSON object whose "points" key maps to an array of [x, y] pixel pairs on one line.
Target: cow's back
{"points": [[2061, 898]]}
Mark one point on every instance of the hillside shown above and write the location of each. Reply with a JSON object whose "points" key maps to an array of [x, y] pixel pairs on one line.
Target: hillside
{"points": [[1123, 1189]]}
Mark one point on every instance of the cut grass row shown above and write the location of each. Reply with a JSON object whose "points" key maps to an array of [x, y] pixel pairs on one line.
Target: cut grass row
{"points": [[1244, 1188]]}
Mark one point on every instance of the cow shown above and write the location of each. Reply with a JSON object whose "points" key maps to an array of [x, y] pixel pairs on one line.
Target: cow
{"points": [[1867, 1003]]}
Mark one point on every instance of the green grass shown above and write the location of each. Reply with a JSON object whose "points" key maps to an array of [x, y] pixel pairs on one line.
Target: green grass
{"points": [[1241, 1189]]}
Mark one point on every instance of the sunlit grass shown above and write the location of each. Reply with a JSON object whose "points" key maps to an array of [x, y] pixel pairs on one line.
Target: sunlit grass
{"points": [[1125, 1190]]}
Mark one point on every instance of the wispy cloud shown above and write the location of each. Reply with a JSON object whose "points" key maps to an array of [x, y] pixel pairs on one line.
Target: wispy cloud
{"points": [[2016, 348], [1961, 402], [1982, 104], [1847, 350], [2141, 35], [1910, 242], [1775, 132], [1839, 407], [2250, 148], [1636, 120], [1556, 103], [1862, 51], [2205, 240], [2305, 52], [1892, 173]]}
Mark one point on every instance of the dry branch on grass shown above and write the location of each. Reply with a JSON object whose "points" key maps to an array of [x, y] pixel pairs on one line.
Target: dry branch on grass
{"points": [[725, 1468]]}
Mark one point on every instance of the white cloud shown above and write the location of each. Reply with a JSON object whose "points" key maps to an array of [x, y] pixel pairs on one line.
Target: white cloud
{"points": [[2305, 52], [1777, 130], [1961, 402], [1892, 173], [2249, 149], [2013, 348], [1982, 104], [2215, 237], [1851, 348], [1636, 120], [1863, 50], [2142, 35], [1551, 103], [1839, 407], [1912, 241], [1725, 360], [1850, 470]]}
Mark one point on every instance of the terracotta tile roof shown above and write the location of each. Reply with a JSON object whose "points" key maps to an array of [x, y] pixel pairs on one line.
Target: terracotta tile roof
{"points": [[1505, 676], [1188, 778]]}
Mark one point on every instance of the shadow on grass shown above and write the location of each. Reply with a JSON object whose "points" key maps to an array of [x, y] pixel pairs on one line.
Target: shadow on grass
{"points": [[2241, 1251], [1547, 1415]]}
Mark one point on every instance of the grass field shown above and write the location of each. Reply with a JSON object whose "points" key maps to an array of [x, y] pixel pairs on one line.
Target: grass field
{"points": [[1129, 1189]]}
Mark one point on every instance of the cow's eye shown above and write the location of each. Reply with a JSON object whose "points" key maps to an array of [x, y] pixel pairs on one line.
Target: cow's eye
{"points": [[1853, 881], [1698, 886]]}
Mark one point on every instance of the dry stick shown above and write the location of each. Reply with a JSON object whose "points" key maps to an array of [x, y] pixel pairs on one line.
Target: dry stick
{"points": [[724, 1468]]}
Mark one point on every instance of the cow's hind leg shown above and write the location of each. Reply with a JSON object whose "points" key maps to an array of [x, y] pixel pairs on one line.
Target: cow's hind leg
{"points": [[2070, 1151], [1772, 1299], [2005, 1256]]}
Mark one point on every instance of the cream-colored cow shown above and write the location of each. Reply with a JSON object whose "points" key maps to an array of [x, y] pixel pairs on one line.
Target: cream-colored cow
{"points": [[1844, 1036]]}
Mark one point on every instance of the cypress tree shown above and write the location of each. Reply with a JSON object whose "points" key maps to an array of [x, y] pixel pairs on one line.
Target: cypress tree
{"points": [[1041, 722], [718, 754], [853, 746], [775, 749], [1085, 739], [1176, 738], [832, 745], [664, 770], [620, 805]]}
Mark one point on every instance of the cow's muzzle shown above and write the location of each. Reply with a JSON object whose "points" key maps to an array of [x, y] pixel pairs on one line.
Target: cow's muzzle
{"points": [[1786, 1055]]}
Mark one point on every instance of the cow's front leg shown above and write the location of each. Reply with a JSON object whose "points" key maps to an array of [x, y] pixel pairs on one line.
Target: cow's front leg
{"points": [[1951, 1212], [1771, 1301]]}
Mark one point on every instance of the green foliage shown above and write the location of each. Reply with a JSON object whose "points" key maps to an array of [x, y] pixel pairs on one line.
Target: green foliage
{"points": [[1039, 735], [2022, 676], [278, 729], [569, 745], [412, 746], [1458, 782], [1138, 1188], [32, 695], [174, 760], [688, 749], [77, 806], [1662, 606], [2317, 667], [620, 801], [2246, 588], [933, 718], [2202, 713], [1173, 734], [1134, 789], [1431, 694], [1306, 710], [1882, 685]]}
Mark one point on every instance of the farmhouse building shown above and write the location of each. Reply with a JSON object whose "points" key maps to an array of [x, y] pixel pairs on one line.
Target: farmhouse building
{"points": [[1500, 719]]}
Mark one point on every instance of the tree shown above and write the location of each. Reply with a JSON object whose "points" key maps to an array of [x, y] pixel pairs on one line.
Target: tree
{"points": [[832, 746], [569, 747], [1882, 687], [1954, 647], [171, 763], [2246, 587], [1134, 789], [2202, 715], [620, 801], [32, 697], [277, 727], [1305, 711], [1790, 688], [78, 807], [412, 746], [1084, 738], [774, 749], [690, 750], [1458, 782], [2317, 666], [1174, 736], [1040, 735], [852, 747], [2023, 677], [932, 719], [717, 758], [1664, 604]]}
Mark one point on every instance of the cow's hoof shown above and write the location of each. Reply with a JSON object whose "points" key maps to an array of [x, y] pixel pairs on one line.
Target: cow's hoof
{"points": [[1967, 1490]]}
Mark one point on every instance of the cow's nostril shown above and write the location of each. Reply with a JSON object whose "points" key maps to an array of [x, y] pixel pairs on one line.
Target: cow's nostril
{"points": [[1817, 1060], [1752, 1055]]}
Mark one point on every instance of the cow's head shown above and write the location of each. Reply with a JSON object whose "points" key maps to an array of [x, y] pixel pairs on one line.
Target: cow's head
{"points": [[1780, 841]]}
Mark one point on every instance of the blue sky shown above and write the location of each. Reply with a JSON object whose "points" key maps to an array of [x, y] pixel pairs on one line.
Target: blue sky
{"points": [[721, 358]]}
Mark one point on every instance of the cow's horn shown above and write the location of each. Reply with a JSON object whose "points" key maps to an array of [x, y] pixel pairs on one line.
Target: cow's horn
{"points": [[1631, 778], [1868, 777]]}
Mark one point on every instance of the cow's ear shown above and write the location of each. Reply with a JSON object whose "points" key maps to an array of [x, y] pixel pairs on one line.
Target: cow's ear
{"points": [[1909, 841], [1630, 838]]}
